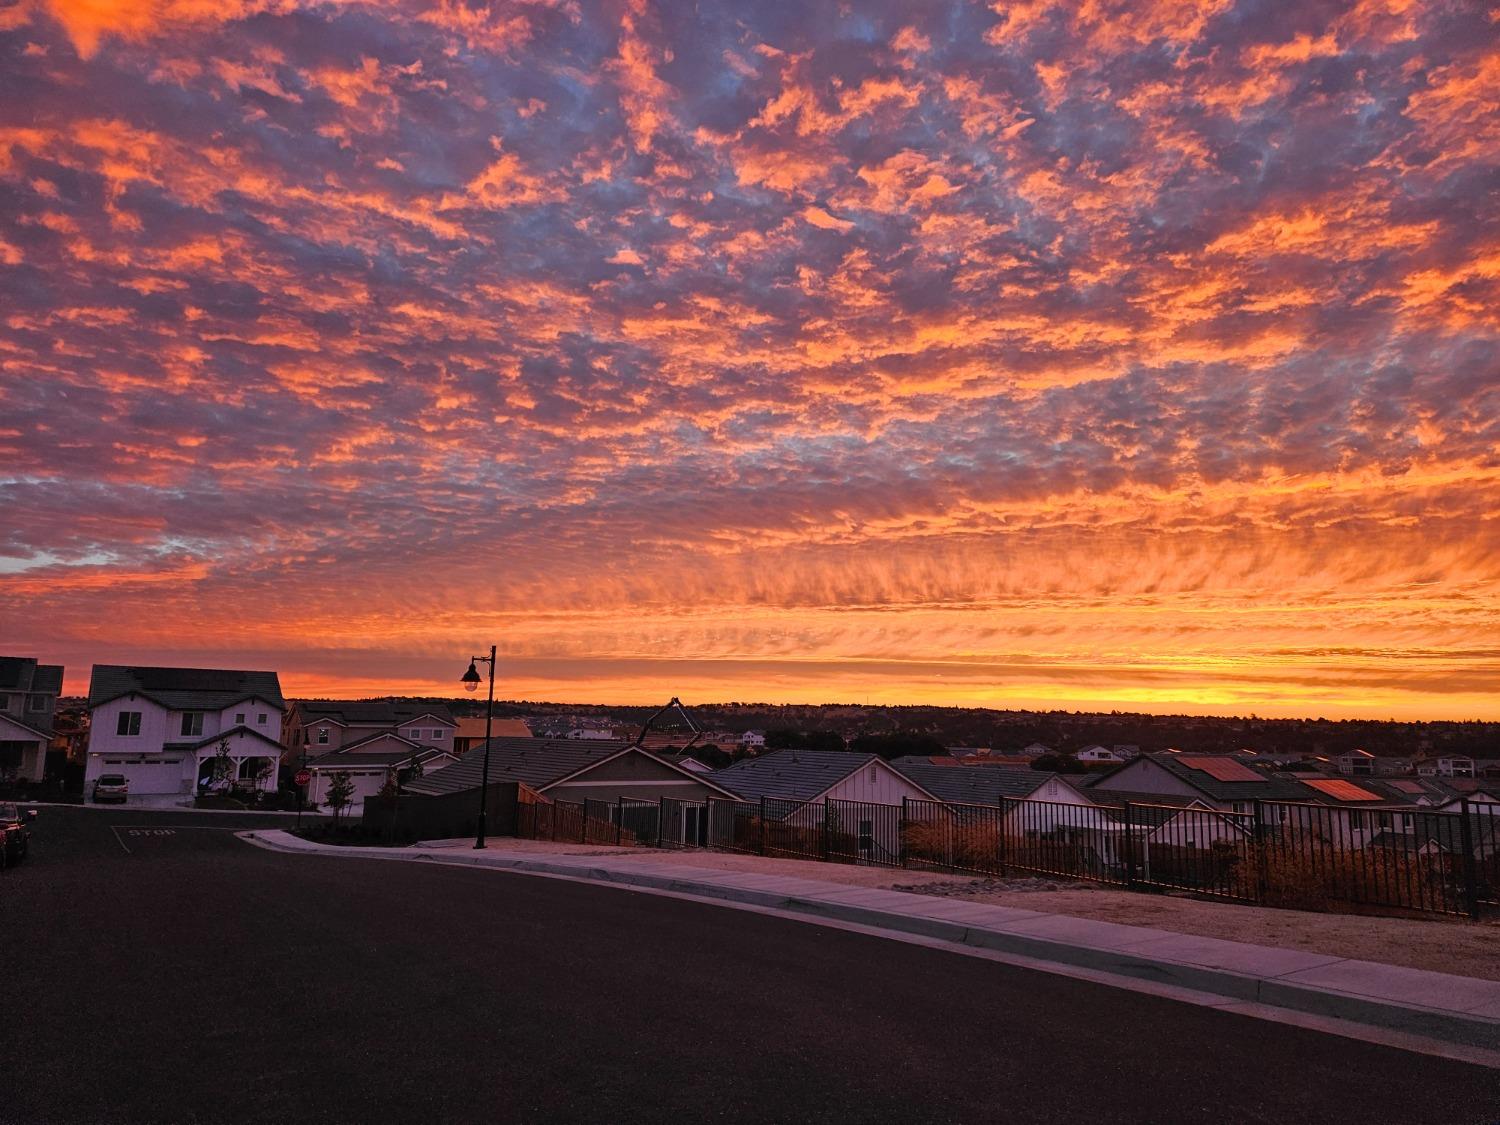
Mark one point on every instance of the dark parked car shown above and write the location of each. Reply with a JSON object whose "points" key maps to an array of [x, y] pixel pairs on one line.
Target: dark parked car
{"points": [[15, 828]]}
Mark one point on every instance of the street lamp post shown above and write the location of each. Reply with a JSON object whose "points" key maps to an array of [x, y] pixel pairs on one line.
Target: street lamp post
{"points": [[470, 680]]}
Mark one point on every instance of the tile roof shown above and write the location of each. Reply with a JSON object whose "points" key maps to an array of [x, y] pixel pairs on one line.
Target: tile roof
{"points": [[183, 689], [536, 762], [500, 728], [971, 786], [797, 775]]}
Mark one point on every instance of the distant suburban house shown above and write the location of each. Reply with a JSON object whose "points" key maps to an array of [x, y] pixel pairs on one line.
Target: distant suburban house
{"points": [[753, 740], [470, 732], [1482, 796], [1220, 782], [1361, 763], [1448, 765], [163, 727], [321, 726], [1098, 755], [28, 702], [1356, 762]]}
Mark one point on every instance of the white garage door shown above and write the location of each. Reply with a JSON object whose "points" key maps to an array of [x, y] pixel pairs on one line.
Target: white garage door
{"points": [[148, 777]]}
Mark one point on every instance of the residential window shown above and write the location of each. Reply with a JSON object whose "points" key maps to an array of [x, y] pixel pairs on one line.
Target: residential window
{"points": [[128, 722], [192, 722], [38, 703], [260, 719], [322, 736], [4, 703], [239, 718], [438, 732]]}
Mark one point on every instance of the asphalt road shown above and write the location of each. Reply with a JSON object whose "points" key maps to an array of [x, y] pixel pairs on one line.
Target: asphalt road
{"points": [[156, 969]]}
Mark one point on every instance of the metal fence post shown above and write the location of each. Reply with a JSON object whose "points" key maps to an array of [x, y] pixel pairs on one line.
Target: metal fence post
{"points": [[1471, 873], [619, 821], [1000, 838], [762, 826], [1129, 847], [661, 815], [901, 835], [1258, 834]]}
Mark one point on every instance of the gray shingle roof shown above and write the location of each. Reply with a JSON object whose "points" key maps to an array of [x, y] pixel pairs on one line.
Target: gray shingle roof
{"points": [[532, 761], [797, 775], [972, 785], [1147, 809], [23, 673], [1267, 787], [367, 758], [362, 711], [183, 689], [213, 739]]}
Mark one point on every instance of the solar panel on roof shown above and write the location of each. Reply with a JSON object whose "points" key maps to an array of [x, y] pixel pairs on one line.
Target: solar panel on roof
{"points": [[1341, 790], [1222, 769]]}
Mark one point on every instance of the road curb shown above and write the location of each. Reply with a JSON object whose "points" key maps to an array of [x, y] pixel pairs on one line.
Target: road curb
{"points": [[1446, 1025]]}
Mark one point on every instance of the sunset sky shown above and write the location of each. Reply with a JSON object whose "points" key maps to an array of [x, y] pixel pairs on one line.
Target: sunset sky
{"points": [[1049, 355]]}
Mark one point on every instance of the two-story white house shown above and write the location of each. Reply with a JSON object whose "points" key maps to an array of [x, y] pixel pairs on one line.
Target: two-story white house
{"points": [[163, 728]]}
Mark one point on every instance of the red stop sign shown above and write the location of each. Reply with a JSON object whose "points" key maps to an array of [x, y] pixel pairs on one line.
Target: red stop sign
{"points": [[303, 777]]}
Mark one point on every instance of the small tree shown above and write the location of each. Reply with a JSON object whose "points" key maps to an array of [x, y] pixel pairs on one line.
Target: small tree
{"points": [[340, 793], [223, 768]]}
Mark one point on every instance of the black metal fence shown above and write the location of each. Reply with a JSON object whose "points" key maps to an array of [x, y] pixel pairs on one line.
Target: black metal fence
{"points": [[1306, 856]]}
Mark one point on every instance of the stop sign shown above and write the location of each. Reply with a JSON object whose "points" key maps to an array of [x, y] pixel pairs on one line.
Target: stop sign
{"points": [[303, 777]]}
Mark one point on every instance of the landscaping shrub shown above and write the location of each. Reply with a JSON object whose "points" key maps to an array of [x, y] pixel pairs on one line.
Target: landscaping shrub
{"points": [[945, 842], [1302, 875]]}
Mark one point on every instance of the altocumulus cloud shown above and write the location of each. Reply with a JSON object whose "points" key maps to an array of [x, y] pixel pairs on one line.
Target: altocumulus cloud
{"points": [[1036, 353]]}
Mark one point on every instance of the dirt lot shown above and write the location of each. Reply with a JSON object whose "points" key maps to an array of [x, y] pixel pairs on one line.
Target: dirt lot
{"points": [[1442, 945]]}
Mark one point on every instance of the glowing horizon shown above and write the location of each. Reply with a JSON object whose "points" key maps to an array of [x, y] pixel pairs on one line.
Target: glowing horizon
{"points": [[1032, 355]]}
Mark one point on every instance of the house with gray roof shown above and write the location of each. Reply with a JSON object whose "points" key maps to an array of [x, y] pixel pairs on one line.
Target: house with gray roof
{"points": [[1219, 781], [163, 728], [28, 702], [324, 726], [579, 770], [813, 775], [986, 785], [371, 762]]}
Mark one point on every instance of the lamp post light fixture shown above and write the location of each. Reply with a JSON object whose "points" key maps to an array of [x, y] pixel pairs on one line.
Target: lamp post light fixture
{"points": [[470, 680]]}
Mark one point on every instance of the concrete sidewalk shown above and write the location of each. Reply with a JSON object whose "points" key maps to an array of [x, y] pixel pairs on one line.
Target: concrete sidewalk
{"points": [[1438, 1006]]}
